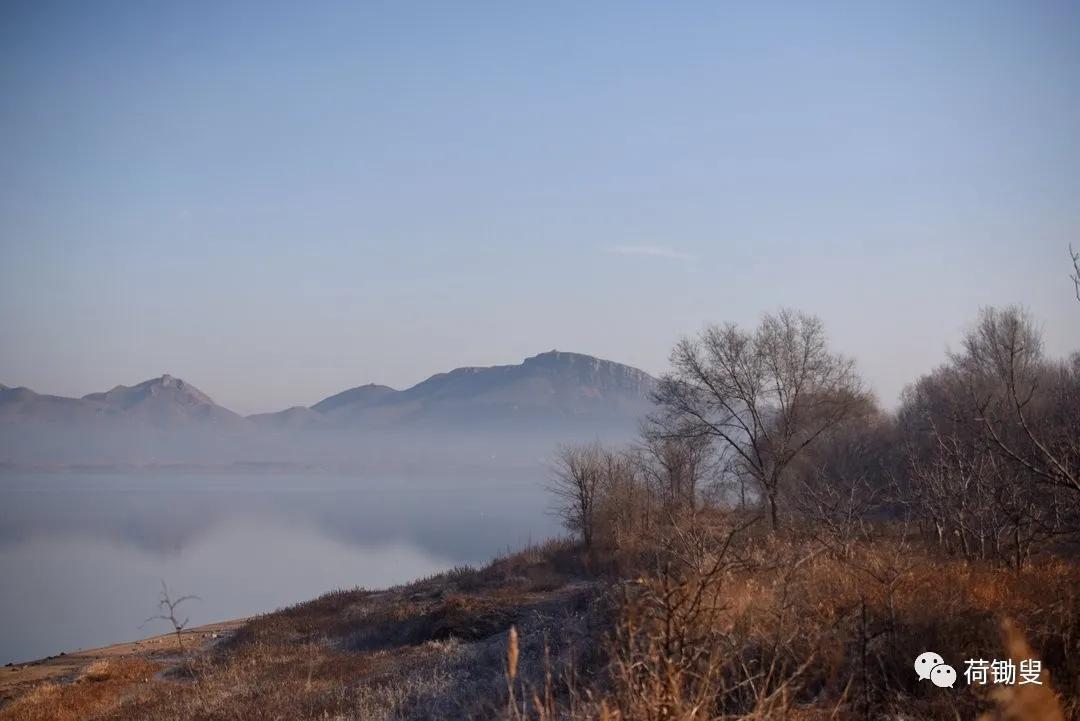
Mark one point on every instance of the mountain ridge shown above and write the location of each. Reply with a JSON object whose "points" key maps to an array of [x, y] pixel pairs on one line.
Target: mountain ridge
{"points": [[549, 385], [493, 419]]}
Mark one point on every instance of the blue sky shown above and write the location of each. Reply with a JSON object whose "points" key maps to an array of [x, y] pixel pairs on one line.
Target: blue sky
{"points": [[278, 201]]}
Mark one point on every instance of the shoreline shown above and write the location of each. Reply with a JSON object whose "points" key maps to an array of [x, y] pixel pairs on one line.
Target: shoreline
{"points": [[14, 677]]}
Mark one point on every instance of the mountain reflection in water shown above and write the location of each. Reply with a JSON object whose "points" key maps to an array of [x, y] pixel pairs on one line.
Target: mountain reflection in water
{"points": [[83, 555]]}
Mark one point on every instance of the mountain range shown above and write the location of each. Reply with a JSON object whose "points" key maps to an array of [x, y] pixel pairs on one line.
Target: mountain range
{"points": [[550, 396]]}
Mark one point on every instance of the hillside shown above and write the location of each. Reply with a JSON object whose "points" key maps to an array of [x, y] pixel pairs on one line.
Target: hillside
{"points": [[550, 387], [164, 401], [23, 406], [783, 631]]}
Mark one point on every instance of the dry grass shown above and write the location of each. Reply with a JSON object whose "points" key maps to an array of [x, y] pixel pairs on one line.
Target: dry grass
{"points": [[775, 627], [101, 688], [431, 649], [767, 629], [781, 629]]}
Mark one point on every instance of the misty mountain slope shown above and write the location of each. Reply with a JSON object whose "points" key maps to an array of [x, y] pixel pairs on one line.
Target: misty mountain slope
{"points": [[164, 401], [512, 413], [290, 418], [22, 405], [336, 411], [553, 386], [359, 397], [160, 421]]}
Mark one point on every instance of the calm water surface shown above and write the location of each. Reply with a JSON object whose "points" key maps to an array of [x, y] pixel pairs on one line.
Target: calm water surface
{"points": [[82, 557]]}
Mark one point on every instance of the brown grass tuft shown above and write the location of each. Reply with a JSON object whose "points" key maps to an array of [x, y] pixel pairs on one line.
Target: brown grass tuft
{"points": [[102, 687]]}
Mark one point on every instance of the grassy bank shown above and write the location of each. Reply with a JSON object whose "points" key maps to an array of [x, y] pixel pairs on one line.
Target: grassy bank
{"points": [[745, 625]]}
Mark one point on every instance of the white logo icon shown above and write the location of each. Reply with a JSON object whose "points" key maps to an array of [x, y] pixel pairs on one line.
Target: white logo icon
{"points": [[932, 666], [925, 663], [943, 676]]}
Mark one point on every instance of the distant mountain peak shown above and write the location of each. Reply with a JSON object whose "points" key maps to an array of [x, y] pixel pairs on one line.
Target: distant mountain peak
{"points": [[550, 384], [18, 392], [166, 381], [163, 388]]}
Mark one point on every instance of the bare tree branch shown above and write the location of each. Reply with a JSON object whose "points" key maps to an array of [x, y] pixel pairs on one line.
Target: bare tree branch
{"points": [[1076, 270], [168, 606]]}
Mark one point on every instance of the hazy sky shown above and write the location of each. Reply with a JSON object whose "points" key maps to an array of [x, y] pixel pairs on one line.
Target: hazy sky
{"points": [[276, 202]]}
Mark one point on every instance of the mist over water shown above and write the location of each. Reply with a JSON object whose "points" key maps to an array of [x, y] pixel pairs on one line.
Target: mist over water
{"points": [[83, 555]]}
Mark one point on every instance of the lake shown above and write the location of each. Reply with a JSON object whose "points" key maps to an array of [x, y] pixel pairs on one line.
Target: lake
{"points": [[82, 556]]}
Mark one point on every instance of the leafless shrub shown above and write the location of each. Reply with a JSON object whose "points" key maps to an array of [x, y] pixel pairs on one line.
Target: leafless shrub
{"points": [[168, 607]]}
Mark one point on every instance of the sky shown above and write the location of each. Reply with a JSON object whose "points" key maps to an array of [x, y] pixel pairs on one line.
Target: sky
{"points": [[277, 201]]}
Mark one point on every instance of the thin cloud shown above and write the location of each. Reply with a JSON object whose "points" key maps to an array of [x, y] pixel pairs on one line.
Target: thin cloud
{"points": [[652, 251]]}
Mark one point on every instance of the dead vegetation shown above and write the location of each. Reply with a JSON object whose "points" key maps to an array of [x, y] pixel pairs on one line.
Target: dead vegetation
{"points": [[432, 649], [757, 627], [100, 690], [782, 628], [775, 547]]}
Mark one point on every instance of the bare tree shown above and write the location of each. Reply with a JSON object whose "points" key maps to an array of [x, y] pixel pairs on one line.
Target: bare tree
{"points": [[626, 510], [168, 606], [763, 396], [674, 468], [1025, 404], [947, 484], [578, 476], [1076, 270], [994, 443], [844, 481]]}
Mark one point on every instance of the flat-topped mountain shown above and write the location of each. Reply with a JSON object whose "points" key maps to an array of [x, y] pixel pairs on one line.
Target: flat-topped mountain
{"points": [[572, 380], [553, 386]]}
